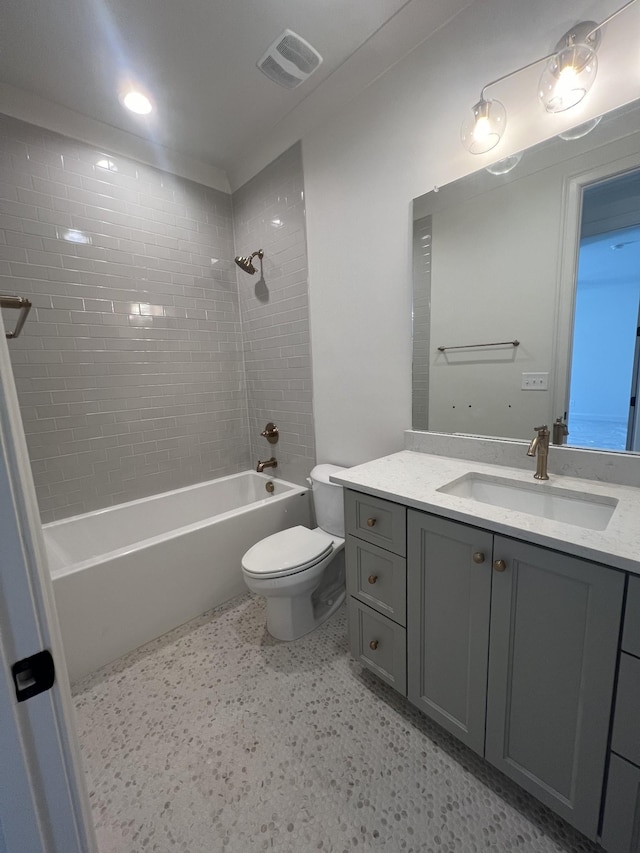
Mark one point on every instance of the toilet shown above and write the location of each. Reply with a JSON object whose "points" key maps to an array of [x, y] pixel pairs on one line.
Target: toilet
{"points": [[300, 571]]}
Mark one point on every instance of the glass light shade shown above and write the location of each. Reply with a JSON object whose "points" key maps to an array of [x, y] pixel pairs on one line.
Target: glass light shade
{"points": [[580, 130], [567, 77], [482, 129], [502, 167]]}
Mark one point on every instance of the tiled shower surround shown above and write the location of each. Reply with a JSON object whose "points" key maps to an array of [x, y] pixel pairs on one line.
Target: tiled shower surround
{"points": [[268, 214], [130, 370]]}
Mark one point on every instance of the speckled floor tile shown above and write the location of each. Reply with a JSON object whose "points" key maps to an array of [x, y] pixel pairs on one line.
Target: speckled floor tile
{"points": [[218, 738]]}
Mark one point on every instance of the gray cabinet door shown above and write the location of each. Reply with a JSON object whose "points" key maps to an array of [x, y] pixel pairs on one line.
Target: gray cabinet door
{"points": [[621, 827], [555, 622], [631, 633], [448, 601], [625, 738]]}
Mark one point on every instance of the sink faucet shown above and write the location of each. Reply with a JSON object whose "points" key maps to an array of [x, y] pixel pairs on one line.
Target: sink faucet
{"points": [[540, 446], [270, 463]]}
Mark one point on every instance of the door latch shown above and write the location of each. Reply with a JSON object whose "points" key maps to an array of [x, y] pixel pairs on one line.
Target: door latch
{"points": [[33, 675]]}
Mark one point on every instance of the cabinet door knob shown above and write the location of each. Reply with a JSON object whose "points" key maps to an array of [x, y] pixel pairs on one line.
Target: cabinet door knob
{"points": [[372, 578], [373, 645], [478, 557], [371, 522], [499, 565]]}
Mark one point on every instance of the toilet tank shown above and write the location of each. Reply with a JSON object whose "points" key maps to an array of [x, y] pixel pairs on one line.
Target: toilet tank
{"points": [[328, 500]]}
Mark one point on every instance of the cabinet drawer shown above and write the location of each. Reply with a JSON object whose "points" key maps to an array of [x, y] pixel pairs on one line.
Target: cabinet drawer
{"points": [[377, 521], [378, 644], [631, 633], [622, 809], [377, 578], [626, 729]]}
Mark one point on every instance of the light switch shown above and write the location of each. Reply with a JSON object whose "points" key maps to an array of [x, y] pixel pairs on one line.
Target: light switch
{"points": [[535, 382]]}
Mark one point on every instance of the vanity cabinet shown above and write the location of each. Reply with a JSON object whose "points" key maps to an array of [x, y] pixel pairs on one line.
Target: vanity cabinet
{"points": [[511, 647]]}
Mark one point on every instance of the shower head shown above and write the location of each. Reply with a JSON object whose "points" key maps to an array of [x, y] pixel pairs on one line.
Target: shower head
{"points": [[246, 263]]}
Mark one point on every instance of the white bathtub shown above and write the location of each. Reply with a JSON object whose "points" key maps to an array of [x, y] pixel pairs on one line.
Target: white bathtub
{"points": [[125, 575]]}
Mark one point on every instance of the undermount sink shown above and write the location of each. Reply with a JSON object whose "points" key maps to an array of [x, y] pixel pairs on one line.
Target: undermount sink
{"points": [[590, 511]]}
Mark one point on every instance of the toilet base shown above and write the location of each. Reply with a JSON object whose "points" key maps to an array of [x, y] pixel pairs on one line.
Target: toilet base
{"points": [[291, 618]]}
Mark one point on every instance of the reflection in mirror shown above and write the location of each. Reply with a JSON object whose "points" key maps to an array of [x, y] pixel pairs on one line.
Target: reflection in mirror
{"points": [[604, 364], [495, 260]]}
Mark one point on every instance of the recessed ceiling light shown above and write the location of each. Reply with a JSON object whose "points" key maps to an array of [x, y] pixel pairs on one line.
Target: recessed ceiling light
{"points": [[137, 103]]}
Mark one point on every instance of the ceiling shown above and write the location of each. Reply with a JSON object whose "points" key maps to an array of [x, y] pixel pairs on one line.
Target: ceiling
{"points": [[611, 259], [197, 60]]}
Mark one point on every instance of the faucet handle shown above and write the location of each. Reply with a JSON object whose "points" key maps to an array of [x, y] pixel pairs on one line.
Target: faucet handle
{"points": [[541, 429], [271, 433]]}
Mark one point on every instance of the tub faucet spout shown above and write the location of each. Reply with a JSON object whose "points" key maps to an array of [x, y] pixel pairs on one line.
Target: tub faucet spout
{"points": [[270, 463]]}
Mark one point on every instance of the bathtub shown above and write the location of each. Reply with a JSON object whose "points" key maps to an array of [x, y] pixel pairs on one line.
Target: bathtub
{"points": [[127, 574]]}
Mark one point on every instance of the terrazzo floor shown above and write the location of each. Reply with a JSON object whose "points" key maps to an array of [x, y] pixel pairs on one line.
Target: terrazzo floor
{"points": [[218, 738]]}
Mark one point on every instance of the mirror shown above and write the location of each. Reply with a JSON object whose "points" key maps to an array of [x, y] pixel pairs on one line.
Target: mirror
{"points": [[495, 265]]}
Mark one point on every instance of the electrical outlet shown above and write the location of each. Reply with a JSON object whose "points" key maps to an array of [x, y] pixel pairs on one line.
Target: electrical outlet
{"points": [[535, 382]]}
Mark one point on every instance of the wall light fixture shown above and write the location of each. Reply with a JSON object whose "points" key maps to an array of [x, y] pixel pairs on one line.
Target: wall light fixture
{"points": [[568, 75], [570, 72]]}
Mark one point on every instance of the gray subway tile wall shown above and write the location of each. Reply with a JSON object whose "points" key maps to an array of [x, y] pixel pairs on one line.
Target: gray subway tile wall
{"points": [[269, 214], [130, 369], [422, 240]]}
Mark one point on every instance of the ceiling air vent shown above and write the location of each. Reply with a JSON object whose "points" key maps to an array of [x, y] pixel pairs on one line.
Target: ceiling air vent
{"points": [[289, 60]]}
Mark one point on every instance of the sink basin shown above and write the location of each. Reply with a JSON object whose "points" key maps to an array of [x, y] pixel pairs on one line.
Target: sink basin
{"points": [[590, 511]]}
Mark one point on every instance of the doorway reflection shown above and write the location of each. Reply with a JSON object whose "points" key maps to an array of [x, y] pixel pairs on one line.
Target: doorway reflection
{"points": [[604, 371]]}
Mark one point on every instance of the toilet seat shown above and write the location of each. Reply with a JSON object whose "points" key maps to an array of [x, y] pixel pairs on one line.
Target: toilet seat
{"points": [[287, 552]]}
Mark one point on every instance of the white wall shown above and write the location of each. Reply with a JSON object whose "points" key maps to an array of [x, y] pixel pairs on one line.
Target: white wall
{"points": [[396, 141]]}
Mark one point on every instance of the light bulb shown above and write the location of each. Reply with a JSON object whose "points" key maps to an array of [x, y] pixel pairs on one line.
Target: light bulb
{"points": [[567, 78], [482, 129]]}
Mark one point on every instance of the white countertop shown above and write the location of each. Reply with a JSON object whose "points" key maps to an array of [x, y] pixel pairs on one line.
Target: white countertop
{"points": [[413, 479]]}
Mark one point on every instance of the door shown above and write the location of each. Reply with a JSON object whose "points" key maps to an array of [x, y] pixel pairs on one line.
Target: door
{"points": [[43, 801], [448, 595], [555, 622]]}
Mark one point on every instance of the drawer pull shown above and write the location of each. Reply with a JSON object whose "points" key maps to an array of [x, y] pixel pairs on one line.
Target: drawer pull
{"points": [[373, 645], [372, 578], [478, 557], [371, 522], [499, 565]]}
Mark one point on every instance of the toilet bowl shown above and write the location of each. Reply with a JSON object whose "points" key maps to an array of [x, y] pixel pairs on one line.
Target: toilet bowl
{"points": [[300, 571]]}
